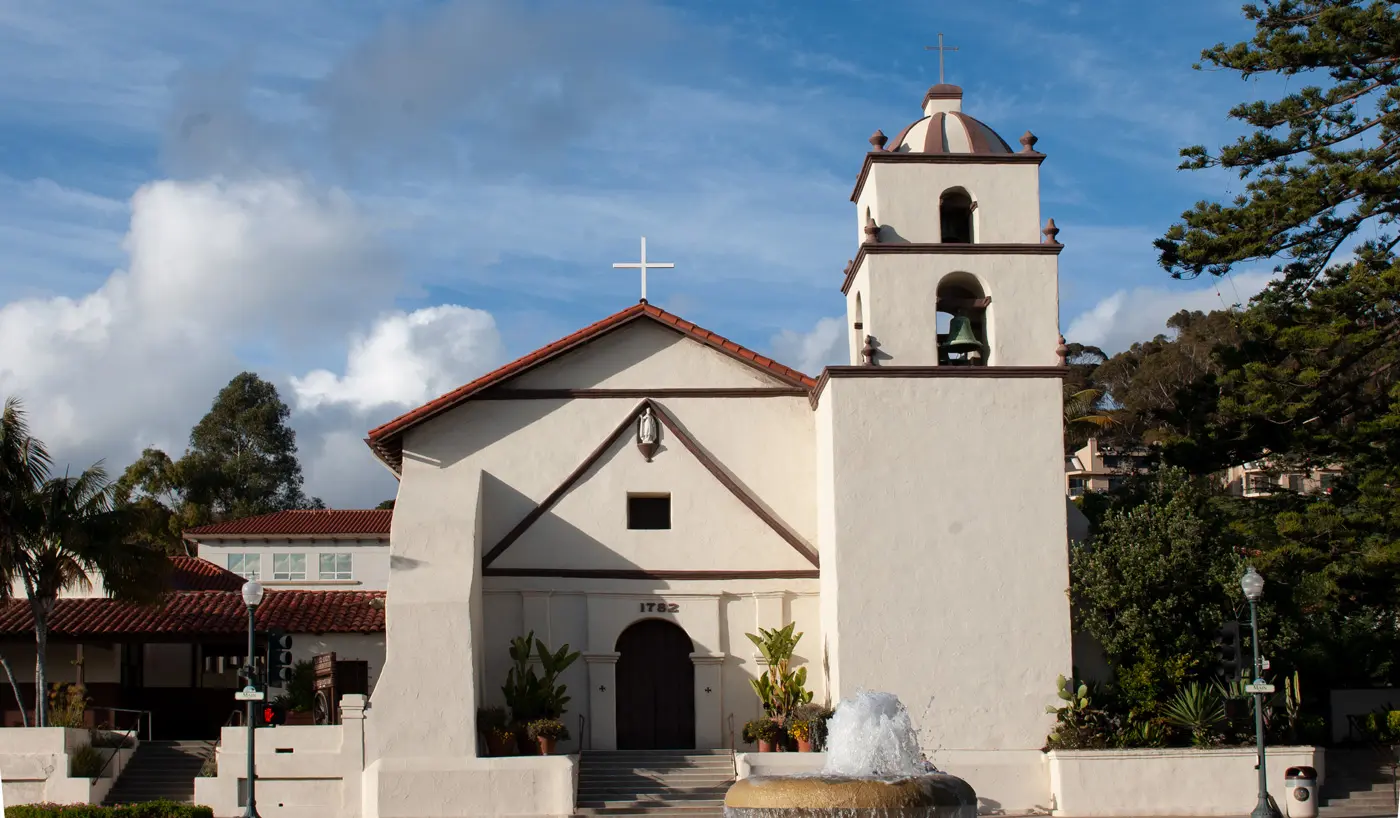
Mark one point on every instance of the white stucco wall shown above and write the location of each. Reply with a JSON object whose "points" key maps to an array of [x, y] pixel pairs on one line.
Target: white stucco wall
{"points": [[369, 561], [903, 199], [952, 562]]}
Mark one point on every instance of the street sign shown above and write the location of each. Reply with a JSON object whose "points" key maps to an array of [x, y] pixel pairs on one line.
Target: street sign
{"points": [[1259, 688], [249, 694], [1264, 663]]}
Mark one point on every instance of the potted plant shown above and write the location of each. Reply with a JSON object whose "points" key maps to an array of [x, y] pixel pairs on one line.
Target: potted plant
{"points": [[763, 732], [534, 696], [492, 721], [800, 730], [547, 733]]}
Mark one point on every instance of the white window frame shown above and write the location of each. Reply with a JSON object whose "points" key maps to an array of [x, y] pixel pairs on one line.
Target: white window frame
{"points": [[241, 559], [282, 568], [335, 572]]}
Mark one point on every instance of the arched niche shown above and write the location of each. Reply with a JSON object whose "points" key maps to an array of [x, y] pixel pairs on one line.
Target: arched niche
{"points": [[961, 296], [956, 224]]}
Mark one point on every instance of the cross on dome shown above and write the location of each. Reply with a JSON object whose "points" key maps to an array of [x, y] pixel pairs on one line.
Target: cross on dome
{"points": [[643, 265], [940, 48]]}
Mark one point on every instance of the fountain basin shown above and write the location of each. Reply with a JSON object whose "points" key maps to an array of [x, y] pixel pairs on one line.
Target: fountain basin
{"points": [[808, 796]]}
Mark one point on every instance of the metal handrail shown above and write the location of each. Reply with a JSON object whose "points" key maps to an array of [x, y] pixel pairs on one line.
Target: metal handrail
{"points": [[116, 751], [150, 718]]}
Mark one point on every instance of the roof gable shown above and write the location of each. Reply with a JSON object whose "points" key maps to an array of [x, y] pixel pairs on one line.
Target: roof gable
{"points": [[386, 440], [793, 556]]}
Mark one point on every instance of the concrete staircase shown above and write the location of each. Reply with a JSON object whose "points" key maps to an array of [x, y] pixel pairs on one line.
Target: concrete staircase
{"points": [[1359, 785], [160, 770], [680, 783]]}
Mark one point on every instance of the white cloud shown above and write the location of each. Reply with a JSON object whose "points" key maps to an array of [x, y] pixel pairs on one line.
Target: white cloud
{"points": [[813, 350], [213, 267], [1128, 316], [407, 359]]}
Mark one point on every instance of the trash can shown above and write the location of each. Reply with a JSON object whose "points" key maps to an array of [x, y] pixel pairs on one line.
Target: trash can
{"points": [[1300, 784]]}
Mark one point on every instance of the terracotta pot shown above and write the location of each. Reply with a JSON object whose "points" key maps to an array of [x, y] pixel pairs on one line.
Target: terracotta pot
{"points": [[498, 745], [765, 746], [547, 745], [804, 745]]}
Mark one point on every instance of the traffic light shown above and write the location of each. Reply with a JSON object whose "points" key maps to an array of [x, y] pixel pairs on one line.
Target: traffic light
{"points": [[1227, 651], [279, 658], [273, 715]]}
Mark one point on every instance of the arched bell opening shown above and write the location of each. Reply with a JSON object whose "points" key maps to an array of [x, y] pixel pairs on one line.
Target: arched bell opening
{"points": [[962, 321], [857, 330], [955, 217]]}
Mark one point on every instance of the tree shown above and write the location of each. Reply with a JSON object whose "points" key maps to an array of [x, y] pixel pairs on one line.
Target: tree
{"points": [[386, 505], [24, 465], [242, 458], [241, 461], [1154, 581], [1086, 414], [70, 534], [1322, 160]]}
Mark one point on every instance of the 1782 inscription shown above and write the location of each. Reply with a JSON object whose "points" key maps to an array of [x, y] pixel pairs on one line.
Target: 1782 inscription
{"points": [[658, 607]]}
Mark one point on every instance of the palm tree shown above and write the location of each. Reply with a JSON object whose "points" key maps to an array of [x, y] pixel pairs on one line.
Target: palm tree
{"points": [[24, 466], [1082, 412], [71, 533]]}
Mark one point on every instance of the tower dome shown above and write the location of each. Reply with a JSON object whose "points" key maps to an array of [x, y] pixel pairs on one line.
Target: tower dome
{"points": [[944, 128]]}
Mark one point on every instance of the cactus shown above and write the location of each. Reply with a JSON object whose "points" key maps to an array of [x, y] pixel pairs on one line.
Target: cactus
{"points": [[1075, 698]]}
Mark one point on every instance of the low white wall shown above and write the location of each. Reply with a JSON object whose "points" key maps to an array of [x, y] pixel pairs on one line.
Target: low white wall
{"points": [[1007, 782], [303, 771], [1093, 783], [34, 765], [1359, 702], [520, 787]]}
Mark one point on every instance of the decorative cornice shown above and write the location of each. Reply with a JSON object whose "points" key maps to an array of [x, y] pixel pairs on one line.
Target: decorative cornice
{"points": [[740, 493], [945, 249], [608, 657], [606, 573], [933, 372], [504, 393], [1023, 158], [708, 658]]}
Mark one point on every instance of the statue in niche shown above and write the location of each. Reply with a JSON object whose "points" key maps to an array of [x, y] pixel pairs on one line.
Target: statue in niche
{"points": [[648, 434]]}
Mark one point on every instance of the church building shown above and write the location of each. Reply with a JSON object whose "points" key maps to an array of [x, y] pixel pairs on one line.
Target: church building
{"points": [[648, 492]]}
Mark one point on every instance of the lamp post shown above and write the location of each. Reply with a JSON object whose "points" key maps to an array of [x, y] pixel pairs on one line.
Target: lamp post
{"points": [[1253, 586], [252, 597]]}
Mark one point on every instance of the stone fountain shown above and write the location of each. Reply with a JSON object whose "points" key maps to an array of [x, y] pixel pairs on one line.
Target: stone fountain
{"points": [[873, 767]]}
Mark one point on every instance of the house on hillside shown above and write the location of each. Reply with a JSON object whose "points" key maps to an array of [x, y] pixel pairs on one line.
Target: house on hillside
{"points": [[1103, 467]]}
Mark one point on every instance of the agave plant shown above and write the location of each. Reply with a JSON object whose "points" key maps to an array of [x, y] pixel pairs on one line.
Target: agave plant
{"points": [[1197, 708]]}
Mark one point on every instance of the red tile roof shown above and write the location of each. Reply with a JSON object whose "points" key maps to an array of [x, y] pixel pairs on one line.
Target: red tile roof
{"points": [[195, 614], [195, 574], [386, 440], [344, 523]]}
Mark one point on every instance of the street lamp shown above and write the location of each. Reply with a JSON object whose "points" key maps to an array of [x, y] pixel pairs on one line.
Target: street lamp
{"points": [[1253, 586], [252, 597]]}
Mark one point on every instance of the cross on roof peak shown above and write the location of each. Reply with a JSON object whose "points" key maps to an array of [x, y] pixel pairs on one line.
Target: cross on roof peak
{"points": [[643, 265]]}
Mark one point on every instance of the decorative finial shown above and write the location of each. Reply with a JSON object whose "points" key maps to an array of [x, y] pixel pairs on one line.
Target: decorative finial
{"points": [[847, 269], [1050, 232], [868, 352], [872, 230], [1028, 141], [878, 140], [1062, 352]]}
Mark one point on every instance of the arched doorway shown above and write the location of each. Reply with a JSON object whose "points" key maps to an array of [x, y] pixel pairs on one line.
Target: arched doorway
{"points": [[655, 688]]}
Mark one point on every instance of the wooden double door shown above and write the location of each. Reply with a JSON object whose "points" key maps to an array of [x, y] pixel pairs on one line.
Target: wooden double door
{"points": [[655, 688]]}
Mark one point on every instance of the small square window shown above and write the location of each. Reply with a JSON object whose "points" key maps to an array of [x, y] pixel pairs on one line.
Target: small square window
{"points": [[648, 511], [245, 565], [288, 566], [335, 566]]}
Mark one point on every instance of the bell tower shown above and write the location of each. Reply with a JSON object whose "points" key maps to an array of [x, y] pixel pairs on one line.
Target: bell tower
{"points": [[940, 463], [952, 266]]}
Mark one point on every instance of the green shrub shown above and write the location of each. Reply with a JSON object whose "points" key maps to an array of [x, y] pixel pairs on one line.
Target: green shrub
{"points": [[1199, 709], [85, 762], [150, 809], [548, 728], [762, 730], [110, 740], [210, 767], [67, 704]]}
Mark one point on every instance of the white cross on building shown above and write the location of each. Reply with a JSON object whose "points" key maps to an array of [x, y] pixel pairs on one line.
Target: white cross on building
{"points": [[643, 265]]}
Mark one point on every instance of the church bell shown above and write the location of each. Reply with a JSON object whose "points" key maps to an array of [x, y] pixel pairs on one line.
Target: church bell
{"points": [[961, 338]]}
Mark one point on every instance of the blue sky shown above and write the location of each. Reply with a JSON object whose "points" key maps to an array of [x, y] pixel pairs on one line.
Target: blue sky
{"points": [[369, 203]]}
